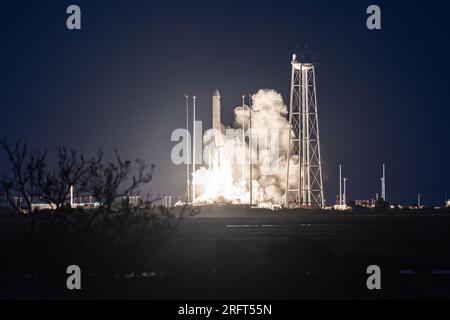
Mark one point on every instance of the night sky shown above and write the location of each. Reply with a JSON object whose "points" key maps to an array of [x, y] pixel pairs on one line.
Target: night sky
{"points": [[383, 96]]}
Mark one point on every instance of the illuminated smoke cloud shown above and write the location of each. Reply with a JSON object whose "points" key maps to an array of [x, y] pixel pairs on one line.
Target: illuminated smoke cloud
{"points": [[221, 179]]}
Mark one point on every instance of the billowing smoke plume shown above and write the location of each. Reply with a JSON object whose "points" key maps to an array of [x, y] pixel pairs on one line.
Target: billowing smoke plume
{"points": [[227, 155]]}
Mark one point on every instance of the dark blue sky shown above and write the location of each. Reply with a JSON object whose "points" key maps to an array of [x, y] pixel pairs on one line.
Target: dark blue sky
{"points": [[119, 82]]}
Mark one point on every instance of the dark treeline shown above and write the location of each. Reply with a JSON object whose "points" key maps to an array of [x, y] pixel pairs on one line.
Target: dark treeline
{"points": [[112, 236]]}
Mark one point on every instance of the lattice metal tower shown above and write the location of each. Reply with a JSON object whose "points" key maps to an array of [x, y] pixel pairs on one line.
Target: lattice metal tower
{"points": [[304, 186]]}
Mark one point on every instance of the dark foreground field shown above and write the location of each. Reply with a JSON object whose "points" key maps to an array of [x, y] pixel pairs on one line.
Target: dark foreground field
{"points": [[239, 253]]}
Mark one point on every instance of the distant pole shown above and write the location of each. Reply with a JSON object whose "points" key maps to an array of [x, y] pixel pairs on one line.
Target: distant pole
{"points": [[383, 184], [340, 185], [71, 196], [193, 150], [250, 148], [345, 191], [382, 188], [243, 148], [418, 200], [188, 144]]}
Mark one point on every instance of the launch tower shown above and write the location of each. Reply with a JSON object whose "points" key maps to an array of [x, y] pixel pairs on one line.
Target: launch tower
{"points": [[303, 173]]}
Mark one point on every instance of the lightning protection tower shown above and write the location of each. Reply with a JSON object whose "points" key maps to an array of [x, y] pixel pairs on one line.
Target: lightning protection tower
{"points": [[304, 186]]}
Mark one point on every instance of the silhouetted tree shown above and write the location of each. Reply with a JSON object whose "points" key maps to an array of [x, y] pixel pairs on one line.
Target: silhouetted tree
{"points": [[23, 178], [31, 176], [110, 237], [71, 170], [108, 182]]}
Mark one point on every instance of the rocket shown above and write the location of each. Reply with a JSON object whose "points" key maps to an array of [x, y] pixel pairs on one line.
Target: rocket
{"points": [[216, 111], [217, 127]]}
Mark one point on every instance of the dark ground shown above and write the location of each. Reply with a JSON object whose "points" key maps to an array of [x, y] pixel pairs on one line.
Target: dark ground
{"points": [[238, 253]]}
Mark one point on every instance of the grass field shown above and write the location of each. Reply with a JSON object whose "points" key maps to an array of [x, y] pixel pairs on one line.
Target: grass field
{"points": [[242, 253]]}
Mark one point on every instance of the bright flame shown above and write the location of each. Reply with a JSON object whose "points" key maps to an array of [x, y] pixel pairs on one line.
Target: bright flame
{"points": [[216, 183]]}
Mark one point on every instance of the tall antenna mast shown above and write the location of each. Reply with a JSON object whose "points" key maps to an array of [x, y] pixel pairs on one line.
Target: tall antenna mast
{"points": [[243, 148], [193, 150], [383, 184], [71, 196], [304, 142], [188, 145], [340, 185], [250, 148]]}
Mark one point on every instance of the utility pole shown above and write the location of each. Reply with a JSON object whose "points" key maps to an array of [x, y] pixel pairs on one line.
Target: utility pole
{"points": [[71, 196], [383, 184], [340, 185], [188, 147], [250, 148], [243, 149], [193, 150]]}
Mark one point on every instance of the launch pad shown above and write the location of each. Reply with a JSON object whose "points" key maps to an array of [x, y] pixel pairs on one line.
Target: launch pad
{"points": [[267, 160]]}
